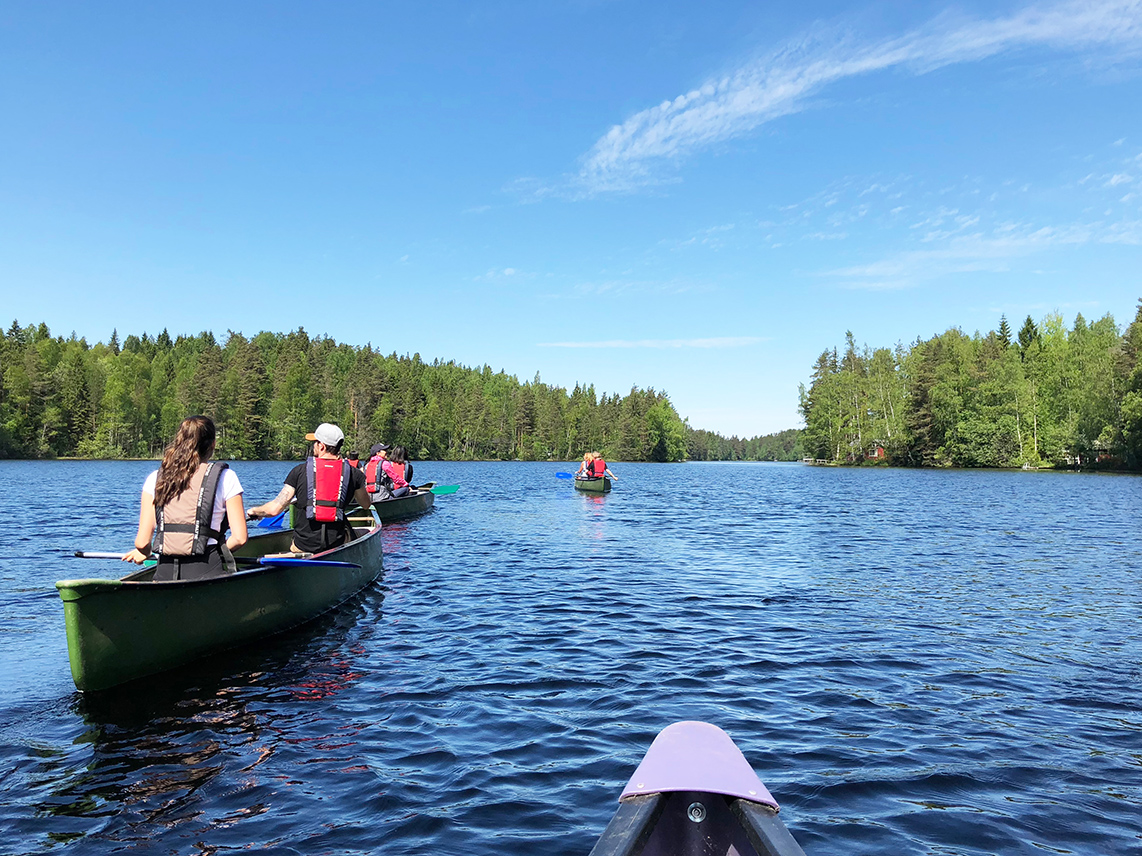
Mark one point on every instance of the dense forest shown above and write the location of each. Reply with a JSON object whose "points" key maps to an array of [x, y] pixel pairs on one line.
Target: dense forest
{"points": [[61, 397], [1045, 396]]}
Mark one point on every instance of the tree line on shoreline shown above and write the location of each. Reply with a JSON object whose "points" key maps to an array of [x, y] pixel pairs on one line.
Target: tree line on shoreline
{"points": [[1047, 396], [64, 398]]}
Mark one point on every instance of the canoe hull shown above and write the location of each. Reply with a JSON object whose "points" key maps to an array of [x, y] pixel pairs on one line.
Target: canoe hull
{"points": [[120, 630], [593, 485], [409, 505]]}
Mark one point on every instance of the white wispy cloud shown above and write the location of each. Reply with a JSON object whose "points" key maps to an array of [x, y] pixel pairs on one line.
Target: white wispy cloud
{"points": [[722, 342], [781, 83], [495, 274], [992, 252]]}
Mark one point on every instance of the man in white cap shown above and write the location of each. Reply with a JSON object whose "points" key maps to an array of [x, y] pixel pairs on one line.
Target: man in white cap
{"points": [[325, 486]]}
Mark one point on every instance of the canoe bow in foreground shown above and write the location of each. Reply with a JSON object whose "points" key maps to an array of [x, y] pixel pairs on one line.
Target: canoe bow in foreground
{"points": [[695, 793], [120, 630]]}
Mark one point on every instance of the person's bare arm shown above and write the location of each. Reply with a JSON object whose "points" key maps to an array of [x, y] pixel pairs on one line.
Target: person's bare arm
{"points": [[236, 515], [276, 505], [363, 498], [145, 532]]}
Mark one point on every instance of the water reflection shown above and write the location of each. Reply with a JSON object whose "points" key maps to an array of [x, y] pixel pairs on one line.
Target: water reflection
{"points": [[188, 749]]}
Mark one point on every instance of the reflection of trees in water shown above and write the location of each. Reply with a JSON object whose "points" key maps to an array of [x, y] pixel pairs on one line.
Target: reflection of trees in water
{"points": [[191, 750]]}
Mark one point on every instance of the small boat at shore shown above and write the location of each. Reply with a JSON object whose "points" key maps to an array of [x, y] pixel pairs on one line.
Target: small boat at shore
{"points": [[122, 629], [694, 794], [600, 485]]}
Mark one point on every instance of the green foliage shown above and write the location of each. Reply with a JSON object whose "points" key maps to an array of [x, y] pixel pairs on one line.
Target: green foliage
{"points": [[1004, 332], [125, 399], [1060, 398]]}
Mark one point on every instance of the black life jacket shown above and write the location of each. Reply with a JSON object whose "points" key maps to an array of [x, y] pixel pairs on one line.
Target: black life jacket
{"points": [[327, 488]]}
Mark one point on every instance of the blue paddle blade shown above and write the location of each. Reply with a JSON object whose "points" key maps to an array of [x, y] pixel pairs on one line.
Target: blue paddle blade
{"points": [[310, 563], [564, 475], [274, 522]]}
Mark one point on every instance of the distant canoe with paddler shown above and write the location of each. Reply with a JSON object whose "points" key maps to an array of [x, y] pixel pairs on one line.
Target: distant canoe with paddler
{"points": [[601, 485], [694, 794], [119, 630]]}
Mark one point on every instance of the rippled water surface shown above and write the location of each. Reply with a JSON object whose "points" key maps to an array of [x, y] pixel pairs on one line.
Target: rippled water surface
{"points": [[914, 663]]}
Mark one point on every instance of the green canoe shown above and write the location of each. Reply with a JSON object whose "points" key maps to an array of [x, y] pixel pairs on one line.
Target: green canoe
{"points": [[119, 630], [593, 485], [416, 501]]}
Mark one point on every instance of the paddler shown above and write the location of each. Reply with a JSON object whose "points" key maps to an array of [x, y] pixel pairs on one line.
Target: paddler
{"points": [[376, 482], [326, 487], [186, 504], [598, 467]]}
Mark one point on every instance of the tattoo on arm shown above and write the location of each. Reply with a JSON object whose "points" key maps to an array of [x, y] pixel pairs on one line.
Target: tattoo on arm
{"points": [[284, 495], [280, 502]]}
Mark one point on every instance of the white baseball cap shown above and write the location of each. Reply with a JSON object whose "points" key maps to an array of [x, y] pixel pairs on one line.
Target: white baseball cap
{"points": [[327, 433]]}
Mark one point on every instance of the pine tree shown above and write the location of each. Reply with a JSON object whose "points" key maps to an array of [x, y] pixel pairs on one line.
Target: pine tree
{"points": [[1028, 334]]}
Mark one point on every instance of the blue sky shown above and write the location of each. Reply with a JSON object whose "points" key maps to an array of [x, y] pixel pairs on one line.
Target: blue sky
{"points": [[695, 197]]}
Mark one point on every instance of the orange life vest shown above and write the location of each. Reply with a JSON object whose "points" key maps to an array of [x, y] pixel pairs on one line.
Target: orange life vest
{"points": [[374, 475]]}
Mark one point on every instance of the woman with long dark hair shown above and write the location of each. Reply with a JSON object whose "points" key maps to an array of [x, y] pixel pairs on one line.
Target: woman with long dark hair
{"points": [[186, 505]]}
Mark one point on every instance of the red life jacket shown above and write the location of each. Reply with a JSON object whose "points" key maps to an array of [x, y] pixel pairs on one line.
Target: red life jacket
{"points": [[396, 473], [327, 488], [598, 468], [374, 475]]}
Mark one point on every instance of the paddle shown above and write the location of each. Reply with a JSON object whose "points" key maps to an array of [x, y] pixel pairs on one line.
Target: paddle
{"points": [[309, 563], [250, 561], [445, 489], [565, 475], [274, 522]]}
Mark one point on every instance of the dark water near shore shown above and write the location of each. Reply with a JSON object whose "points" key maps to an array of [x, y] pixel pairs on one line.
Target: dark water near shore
{"points": [[914, 663]]}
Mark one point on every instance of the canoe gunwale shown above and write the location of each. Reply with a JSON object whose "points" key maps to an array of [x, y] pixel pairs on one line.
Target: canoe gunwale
{"points": [[631, 826], [635, 825], [103, 583], [766, 832]]}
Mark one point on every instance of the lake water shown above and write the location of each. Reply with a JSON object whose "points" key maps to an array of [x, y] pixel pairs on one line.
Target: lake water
{"points": [[913, 662]]}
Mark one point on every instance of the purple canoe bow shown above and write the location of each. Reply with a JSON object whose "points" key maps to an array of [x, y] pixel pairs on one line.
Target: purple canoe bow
{"points": [[695, 793]]}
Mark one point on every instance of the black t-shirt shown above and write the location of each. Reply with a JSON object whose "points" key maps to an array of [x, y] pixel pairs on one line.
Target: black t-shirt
{"points": [[306, 532]]}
